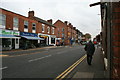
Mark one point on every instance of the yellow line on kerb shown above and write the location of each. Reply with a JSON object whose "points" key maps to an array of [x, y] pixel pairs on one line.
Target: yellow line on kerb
{"points": [[67, 71]]}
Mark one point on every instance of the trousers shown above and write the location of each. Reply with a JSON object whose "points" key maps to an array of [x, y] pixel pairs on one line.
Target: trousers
{"points": [[89, 59]]}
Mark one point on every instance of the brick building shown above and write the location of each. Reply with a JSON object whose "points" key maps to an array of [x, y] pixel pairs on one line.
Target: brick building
{"points": [[110, 21], [61, 32], [46, 29], [65, 32], [18, 31]]}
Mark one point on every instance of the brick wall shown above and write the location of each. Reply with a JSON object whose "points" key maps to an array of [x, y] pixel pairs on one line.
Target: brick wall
{"points": [[59, 25], [116, 39], [9, 21]]}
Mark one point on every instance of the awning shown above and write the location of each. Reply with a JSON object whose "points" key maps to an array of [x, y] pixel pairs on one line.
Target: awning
{"points": [[32, 38], [7, 36]]}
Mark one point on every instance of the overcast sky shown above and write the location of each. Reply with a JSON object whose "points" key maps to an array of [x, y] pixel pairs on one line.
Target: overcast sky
{"points": [[77, 12]]}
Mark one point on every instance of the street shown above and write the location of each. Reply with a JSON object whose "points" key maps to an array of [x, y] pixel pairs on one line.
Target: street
{"points": [[47, 63]]}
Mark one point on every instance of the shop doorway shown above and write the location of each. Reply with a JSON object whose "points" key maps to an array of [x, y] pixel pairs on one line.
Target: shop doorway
{"points": [[13, 43]]}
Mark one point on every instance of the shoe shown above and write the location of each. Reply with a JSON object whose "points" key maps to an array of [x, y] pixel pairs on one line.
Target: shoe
{"points": [[89, 64]]}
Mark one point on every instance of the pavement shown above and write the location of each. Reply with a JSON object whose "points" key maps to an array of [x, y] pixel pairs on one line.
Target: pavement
{"points": [[95, 71]]}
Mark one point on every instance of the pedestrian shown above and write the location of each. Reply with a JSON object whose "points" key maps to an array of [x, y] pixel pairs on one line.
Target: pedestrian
{"points": [[90, 49]]}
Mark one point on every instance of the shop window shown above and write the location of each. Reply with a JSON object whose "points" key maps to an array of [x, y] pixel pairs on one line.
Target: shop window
{"points": [[26, 24], [33, 26], [43, 27], [53, 40], [48, 30], [2, 20], [6, 42], [15, 22]]}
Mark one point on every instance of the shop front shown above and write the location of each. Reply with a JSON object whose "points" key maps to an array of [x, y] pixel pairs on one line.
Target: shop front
{"points": [[29, 40], [9, 39], [44, 42], [52, 40], [48, 39], [58, 41]]}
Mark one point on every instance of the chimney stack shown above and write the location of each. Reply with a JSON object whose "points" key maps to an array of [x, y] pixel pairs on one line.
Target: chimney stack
{"points": [[31, 14], [66, 22], [50, 21]]}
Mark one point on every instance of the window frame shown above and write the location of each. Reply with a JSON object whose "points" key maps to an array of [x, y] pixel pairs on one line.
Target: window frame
{"points": [[34, 27], [3, 20], [43, 27], [25, 24], [48, 29], [53, 30], [15, 23]]}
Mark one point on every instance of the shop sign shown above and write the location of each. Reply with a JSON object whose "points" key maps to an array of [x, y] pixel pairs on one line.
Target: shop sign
{"points": [[43, 35], [28, 34], [9, 32]]}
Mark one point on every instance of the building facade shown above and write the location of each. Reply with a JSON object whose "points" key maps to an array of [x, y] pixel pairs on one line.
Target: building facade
{"points": [[61, 32], [65, 32], [24, 32], [110, 36]]}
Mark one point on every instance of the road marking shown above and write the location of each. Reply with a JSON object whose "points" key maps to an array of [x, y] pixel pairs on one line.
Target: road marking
{"points": [[3, 68], [39, 58], [67, 71]]}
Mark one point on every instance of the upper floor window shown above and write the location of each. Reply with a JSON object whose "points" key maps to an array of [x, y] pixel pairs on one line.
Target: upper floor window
{"points": [[63, 35], [48, 29], [62, 29], [43, 27], [33, 26], [25, 24], [2, 20], [15, 22], [58, 34], [53, 30]]}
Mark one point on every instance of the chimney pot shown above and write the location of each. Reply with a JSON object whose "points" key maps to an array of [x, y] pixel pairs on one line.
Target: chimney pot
{"points": [[50, 21], [31, 14]]}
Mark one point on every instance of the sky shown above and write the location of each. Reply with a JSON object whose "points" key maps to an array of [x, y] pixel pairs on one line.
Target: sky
{"points": [[77, 12]]}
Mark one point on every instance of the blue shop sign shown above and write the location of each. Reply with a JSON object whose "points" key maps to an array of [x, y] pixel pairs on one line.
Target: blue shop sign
{"points": [[28, 34]]}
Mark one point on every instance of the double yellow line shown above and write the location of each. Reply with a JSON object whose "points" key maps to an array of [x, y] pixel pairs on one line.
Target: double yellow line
{"points": [[67, 71]]}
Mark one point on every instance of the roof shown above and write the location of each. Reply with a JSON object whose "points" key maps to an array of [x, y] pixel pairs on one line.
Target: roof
{"points": [[43, 21], [12, 12]]}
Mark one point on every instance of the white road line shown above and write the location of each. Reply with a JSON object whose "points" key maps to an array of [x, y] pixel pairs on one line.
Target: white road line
{"points": [[39, 58], [3, 68]]}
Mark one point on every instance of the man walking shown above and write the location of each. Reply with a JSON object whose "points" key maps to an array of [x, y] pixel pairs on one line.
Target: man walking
{"points": [[90, 49]]}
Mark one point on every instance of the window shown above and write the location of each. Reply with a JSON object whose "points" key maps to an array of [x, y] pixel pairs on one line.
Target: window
{"points": [[63, 35], [33, 26], [43, 27], [58, 34], [2, 20], [25, 24], [53, 40], [15, 22], [62, 29], [48, 29], [52, 30]]}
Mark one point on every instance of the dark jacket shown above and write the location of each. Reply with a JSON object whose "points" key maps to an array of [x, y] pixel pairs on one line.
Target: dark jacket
{"points": [[90, 48]]}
